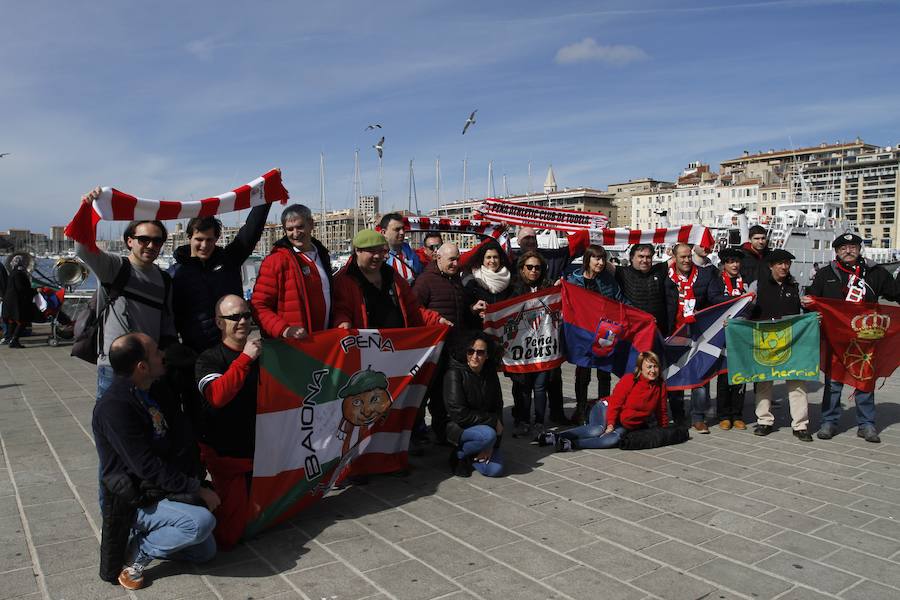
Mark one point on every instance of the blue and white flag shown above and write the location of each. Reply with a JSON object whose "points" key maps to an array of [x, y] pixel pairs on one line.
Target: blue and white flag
{"points": [[695, 352]]}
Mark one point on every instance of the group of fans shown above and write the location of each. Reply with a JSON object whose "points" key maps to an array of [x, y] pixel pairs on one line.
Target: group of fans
{"points": [[178, 364]]}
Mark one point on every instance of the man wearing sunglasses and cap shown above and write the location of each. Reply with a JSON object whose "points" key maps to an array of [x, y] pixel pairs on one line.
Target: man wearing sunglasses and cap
{"points": [[849, 277], [144, 300], [227, 375]]}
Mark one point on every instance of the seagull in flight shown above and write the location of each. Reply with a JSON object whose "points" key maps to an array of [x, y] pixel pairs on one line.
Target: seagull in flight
{"points": [[373, 126], [379, 147], [470, 121], [5, 154]]}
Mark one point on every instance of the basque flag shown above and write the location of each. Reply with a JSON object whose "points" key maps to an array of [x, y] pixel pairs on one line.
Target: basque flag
{"points": [[601, 333], [695, 352]]}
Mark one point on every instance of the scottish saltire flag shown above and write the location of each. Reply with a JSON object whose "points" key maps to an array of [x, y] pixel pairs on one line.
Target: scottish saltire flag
{"points": [[601, 333], [695, 352], [527, 328], [779, 349], [340, 399]]}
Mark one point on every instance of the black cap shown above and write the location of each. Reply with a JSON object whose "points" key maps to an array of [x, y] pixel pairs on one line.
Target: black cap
{"points": [[847, 238], [730, 253], [779, 255]]}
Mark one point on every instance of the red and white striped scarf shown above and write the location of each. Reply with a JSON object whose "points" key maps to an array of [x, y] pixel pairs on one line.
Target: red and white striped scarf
{"points": [[473, 226], [540, 216], [686, 300], [733, 289], [113, 205], [687, 234]]}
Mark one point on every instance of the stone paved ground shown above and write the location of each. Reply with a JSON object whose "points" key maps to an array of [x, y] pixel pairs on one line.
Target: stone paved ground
{"points": [[728, 515]]}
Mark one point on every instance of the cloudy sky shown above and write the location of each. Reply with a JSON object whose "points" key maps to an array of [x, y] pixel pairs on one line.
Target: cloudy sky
{"points": [[187, 100]]}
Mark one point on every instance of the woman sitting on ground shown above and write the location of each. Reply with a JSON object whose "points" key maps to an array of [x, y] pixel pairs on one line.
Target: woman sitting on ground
{"points": [[636, 402], [474, 408]]}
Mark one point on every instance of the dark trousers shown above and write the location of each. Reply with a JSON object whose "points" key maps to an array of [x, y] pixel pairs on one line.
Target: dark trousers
{"points": [[555, 395], [729, 399], [583, 380], [436, 407]]}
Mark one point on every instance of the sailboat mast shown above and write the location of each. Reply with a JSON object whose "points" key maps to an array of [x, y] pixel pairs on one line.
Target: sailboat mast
{"points": [[530, 180], [381, 181], [505, 187], [437, 182], [490, 190], [324, 230], [357, 190], [465, 189]]}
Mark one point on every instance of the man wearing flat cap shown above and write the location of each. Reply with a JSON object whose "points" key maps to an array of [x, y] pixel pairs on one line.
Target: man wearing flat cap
{"points": [[369, 294], [851, 278], [778, 296]]}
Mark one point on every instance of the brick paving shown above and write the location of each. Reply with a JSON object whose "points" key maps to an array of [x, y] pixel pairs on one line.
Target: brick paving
{"points": [[727, 515]]}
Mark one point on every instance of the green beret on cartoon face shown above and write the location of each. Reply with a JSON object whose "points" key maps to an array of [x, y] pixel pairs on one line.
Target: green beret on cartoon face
{"points": [[365, 397]]}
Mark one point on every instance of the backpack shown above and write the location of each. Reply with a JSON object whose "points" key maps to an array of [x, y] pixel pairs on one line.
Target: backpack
{"points": [[86, 343], [89, 322]]}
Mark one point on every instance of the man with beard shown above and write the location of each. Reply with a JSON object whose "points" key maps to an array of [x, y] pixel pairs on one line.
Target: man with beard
{"points": [[851, 278]]}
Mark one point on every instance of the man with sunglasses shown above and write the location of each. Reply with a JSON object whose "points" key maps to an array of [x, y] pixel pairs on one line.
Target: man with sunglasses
{"points": [[227, 375], [430, 245], [144, 304]]}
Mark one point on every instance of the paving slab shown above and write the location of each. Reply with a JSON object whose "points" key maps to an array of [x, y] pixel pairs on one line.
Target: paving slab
{"points": [[724, 516]]}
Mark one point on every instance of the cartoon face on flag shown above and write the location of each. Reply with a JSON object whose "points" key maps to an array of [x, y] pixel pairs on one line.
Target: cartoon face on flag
{"points": [[527, 328], [339, 402]]}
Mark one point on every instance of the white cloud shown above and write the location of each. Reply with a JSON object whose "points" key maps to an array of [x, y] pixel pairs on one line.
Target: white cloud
{"points": [[588, 50]]}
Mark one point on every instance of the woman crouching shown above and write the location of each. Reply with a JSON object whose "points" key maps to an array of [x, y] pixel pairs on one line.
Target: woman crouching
{"points": [[636, 402], [474, 408]]}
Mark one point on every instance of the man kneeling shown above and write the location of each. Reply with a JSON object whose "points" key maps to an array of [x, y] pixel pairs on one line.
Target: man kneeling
{"points": [[154, 502]]}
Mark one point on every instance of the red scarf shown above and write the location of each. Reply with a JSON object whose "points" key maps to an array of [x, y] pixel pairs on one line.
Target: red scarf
{"points": [[733, 289], [311, 280], [686, 301], [856, 285]]}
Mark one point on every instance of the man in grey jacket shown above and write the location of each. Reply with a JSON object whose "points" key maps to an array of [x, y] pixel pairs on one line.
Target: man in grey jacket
{"points": [[145, 303]]}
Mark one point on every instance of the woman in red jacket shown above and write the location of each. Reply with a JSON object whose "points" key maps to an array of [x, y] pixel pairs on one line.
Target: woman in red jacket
{"points": [[634, 404]]}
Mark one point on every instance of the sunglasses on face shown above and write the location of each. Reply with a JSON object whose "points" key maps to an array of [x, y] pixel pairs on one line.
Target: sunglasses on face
{"points": [[533, 267], [433, 246], [238, 316], [146, 240], [474, 352]]}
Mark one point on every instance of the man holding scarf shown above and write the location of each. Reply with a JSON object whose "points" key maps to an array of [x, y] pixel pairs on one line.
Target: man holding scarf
{"points": [[728, 284], [851, 278], [687, 291]]}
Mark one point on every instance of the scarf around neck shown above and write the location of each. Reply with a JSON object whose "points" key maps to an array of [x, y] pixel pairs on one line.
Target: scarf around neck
{"points": [[733, 289], [491, 281], [686, 300], [856, 283]]}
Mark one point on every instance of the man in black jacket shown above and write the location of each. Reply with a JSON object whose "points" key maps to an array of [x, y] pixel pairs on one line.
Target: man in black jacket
{"points": [[850, 278], [755, 251], [777, 296], [204, 272], [148, 460], [644, 285]]}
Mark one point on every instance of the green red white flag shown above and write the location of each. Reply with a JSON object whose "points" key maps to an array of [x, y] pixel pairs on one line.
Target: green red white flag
{"points": [[338, 400]]}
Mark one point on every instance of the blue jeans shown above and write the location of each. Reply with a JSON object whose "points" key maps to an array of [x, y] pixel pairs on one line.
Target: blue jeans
{"points": [[104, 379], [175, 531], [831, 404], [475, 440], [592, 434], [699, 403]]}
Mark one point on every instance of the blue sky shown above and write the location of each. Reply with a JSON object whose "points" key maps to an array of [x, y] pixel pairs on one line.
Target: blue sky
{"points": [[182, 100]]}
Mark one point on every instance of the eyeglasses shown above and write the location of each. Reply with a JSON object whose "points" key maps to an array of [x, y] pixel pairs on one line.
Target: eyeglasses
{"points": [[238, 316], [473, 351], [146, 240], [375, 250], [533, 267]]}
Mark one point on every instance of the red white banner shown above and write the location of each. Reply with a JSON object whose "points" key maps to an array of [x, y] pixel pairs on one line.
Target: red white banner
{"points": [[113, 205], [528, 329], [541, 217], [686, 234], [473, 226]]}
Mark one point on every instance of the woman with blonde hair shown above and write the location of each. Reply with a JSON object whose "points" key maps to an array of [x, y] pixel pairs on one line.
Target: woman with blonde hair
{"points": [[637, 402]]}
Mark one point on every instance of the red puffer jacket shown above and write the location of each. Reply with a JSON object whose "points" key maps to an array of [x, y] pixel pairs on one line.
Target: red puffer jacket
{"points": [[633, 403], [349, 305], [281, 296]]}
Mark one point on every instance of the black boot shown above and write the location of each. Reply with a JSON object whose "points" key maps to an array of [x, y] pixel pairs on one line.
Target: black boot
{"points": [[17, 332]]}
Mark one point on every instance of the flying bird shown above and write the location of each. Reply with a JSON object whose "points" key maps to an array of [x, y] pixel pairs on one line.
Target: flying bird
{"points": [[379, 147], [5, 154], [373, 126], [470, 121]]}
